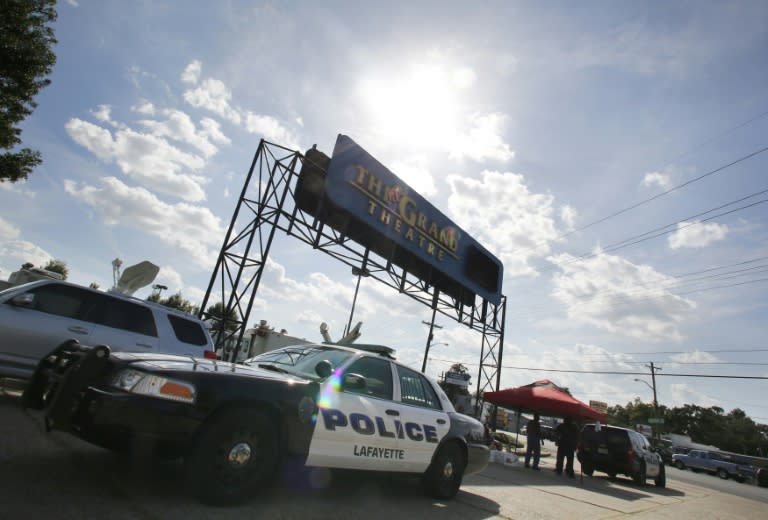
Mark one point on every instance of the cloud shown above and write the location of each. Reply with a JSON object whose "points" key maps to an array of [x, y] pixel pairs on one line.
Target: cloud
{"points": [[17, 187], [213, 95], [501, 213], [271, 129], [658, 179], [144, 107], [148, 159], [696, 234], [192, 230], [694, 357], [8, 230], [568, 216], [179, 127], [413, 171], [102, 113], [192, 72], [14, 253], [682, 394], [483, 139], [613, 294], [171, 278]]}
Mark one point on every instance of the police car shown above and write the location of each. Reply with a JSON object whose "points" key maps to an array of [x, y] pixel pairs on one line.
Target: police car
{"points": [[329, 405]]}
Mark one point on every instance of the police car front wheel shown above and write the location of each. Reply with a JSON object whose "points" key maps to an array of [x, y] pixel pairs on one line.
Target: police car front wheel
{"points": [[233, 454], [443, 478]]}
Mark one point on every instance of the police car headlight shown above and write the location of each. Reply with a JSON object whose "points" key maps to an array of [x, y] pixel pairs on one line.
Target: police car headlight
{"points": [[138, 382]]}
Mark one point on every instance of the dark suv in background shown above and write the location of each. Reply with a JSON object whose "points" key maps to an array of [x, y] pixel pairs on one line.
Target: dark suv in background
{"points": [[614, 451]]}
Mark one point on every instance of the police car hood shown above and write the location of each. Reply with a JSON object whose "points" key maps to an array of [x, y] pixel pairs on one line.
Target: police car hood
{"points": [[170, 363]]}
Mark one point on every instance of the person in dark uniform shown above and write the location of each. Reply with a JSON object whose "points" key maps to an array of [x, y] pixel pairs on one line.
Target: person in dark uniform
{"points": [[533, 442], [567, 437]]}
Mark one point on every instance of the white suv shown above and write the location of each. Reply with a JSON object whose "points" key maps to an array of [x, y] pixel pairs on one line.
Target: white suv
{"points": [[36, 317]]}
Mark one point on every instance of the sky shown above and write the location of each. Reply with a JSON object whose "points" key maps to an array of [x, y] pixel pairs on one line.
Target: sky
{"points": [[611, 154]]}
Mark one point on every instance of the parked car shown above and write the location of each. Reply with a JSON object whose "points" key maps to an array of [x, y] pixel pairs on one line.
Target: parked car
{"points": [[762, 477], [615, 450], [547, 432], [713, 463], [667, 452], [37, 316], [327, 405]]}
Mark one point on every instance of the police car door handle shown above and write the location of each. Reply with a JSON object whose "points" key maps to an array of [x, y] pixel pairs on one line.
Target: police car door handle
{"points": [[441, 421], [393, 412], [77, 330]]}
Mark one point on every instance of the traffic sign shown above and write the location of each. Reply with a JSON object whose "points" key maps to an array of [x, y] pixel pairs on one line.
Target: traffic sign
{"points": [[656, 420]]}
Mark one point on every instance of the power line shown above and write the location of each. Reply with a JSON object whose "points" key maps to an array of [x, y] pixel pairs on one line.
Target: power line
{"points": [[658, 195], [640, 287], [663, 230], [616, 372]]}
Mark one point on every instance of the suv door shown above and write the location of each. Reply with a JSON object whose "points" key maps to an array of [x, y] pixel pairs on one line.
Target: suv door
{"points": [[123, 325], [36, 321]]}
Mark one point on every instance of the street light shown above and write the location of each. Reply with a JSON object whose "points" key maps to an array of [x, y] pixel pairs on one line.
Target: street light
{"points": [[438, 344], [359, 273], [653, 389], [655, 402]]}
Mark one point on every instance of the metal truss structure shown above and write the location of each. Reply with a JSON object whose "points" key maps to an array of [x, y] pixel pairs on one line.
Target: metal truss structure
{"points": [[267, 205]]}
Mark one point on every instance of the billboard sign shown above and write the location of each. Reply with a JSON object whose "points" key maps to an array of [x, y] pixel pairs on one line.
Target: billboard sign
{"points": [[406, 228]]}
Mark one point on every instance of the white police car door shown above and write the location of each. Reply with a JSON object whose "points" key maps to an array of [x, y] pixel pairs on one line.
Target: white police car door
{"points": [[424, 421], [357, 427]]}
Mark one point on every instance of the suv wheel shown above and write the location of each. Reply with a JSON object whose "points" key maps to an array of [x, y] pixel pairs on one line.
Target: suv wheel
{"points": [[232, 456], [679, 464], [587, 469], [640, 476], [661, 479], [722, 474]]}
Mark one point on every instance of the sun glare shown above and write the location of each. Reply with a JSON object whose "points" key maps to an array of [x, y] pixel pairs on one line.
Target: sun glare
{"points": [[421, 104]]}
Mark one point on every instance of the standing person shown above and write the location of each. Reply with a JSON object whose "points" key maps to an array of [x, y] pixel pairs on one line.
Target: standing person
{"points": [[567, 438], [533, 442]]}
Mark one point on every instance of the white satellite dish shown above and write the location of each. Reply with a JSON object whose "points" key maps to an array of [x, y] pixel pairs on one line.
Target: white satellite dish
{"points": [[352, 335], [137, 276]]}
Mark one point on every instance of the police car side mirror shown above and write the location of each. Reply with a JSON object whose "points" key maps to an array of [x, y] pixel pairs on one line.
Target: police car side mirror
{"points": [[323, 368], [23, 300], [353, 382]]}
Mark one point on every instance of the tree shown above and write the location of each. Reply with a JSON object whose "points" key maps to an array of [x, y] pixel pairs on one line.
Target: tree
{"points": [[57, 266], [174, 301], [217, 315], [26, 58]]}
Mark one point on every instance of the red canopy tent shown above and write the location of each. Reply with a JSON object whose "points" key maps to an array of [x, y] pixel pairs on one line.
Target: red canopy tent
{"points": [[546, 398]]}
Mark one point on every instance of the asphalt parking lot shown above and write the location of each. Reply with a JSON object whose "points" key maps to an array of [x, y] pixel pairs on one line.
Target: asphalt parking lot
{"points": [[58, 476]]}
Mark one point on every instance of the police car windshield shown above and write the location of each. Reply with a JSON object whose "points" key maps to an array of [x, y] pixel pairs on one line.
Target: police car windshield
{"points": [[301, 360]]}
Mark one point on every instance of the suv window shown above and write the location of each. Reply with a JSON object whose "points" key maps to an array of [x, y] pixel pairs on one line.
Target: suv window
{"points": [[187, 331], [416, 390], [377, 374], [120, 314], [61, 300]]}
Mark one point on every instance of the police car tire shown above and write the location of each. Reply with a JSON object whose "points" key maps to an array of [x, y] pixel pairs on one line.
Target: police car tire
{"points": [[213, 477], [443, 477]]}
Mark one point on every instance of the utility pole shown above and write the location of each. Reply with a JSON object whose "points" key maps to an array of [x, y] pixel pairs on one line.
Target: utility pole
{"points": [[657, 427]]}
